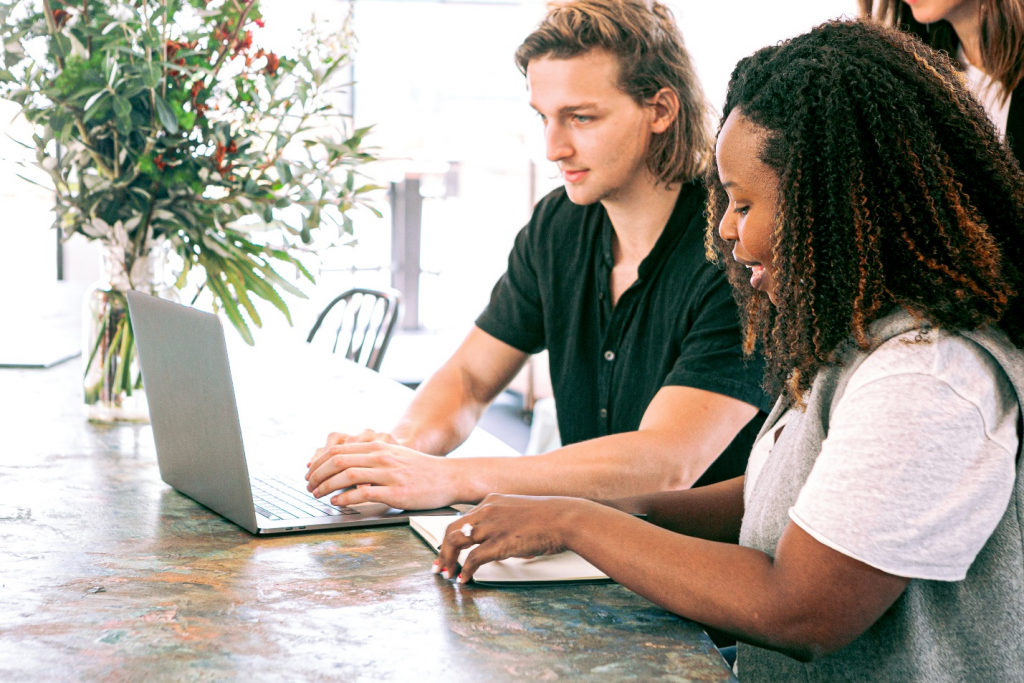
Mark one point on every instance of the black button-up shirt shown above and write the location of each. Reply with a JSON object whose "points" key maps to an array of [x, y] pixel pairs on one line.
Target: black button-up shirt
{"points": [[677, 325]]}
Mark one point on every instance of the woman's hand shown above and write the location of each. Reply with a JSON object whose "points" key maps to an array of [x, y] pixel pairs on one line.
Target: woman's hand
{"points": [[508, 526]]}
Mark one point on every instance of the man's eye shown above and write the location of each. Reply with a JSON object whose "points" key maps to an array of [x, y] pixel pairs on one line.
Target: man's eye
{"points": [[582, 119]]}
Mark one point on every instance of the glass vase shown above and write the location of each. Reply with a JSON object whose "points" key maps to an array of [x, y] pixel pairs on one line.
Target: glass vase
{"points": [[113, 377]]}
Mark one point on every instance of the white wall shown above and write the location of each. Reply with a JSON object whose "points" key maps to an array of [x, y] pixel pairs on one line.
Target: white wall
{"points": [[439, 82]]}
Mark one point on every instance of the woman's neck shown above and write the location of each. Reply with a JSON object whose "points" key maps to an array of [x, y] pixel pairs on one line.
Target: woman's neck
{"points": [[966, 21]]}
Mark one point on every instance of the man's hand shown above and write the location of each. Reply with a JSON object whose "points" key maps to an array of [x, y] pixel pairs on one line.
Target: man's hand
{"points": [[507, 526], [383, 473], [365, 436]]}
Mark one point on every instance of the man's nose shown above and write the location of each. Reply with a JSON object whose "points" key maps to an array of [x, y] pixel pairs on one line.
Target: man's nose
{"points": [[557, 141]]}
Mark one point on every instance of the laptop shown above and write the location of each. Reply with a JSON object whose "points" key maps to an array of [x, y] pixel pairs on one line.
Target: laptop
{"points": [[198, 435]]}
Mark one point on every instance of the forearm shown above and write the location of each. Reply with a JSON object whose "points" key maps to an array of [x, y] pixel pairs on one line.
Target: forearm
{"points": [[447, 406], [631, 463], [710, 512], [442, 414], [734, 589]]}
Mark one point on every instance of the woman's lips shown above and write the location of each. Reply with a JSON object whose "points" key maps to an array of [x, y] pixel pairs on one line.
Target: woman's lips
{"points": [[574, 176], [756, 276]]}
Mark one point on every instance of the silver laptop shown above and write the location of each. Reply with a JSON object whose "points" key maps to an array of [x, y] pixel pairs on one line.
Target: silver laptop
{"points": [[199, 438]]}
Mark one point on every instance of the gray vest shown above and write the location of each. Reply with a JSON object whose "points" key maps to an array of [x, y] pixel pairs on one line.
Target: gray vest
{"points": [[970, 630]]}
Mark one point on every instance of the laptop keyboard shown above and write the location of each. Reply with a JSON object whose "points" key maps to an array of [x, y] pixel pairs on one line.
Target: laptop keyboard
{"points": [[277, 499]]}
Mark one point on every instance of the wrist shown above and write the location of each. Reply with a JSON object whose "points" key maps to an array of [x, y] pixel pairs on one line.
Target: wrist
{"points": [[469, 481], [412, 439], [576, 518]]}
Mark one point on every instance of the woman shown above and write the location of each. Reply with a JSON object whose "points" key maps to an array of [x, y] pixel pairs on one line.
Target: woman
{"points": [[877, 219], [987, 39]]}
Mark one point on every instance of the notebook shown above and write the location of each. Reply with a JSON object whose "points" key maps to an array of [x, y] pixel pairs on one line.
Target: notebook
{"points": [[567, 567]]}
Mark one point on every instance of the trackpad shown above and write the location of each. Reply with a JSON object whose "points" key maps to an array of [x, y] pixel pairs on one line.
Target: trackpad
{"points": [[377, 510]]}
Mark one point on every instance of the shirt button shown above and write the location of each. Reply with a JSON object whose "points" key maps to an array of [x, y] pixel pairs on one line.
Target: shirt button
{"points": [[609, 355], [600, 295], [604, 412]]}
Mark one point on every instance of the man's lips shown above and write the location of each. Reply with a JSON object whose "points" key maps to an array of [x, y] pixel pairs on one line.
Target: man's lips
{"points": [[574, 176]]}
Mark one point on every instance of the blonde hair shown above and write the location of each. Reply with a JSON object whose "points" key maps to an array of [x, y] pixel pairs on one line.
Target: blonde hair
{"points": [[649, 48], [1002, 35]]}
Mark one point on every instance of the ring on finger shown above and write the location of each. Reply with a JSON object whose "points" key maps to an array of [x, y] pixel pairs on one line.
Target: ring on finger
{"points": [[467, 530]]}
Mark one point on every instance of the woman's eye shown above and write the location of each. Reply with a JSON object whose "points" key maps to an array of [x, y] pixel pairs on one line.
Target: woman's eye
{"points": [[742, 210]]}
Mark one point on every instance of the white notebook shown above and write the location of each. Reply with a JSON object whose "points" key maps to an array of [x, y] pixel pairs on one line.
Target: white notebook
{"points": [[560, 568]]}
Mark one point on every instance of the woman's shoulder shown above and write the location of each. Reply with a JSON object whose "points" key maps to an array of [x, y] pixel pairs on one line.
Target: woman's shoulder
{"points": [[927, 350], [938, 356]]}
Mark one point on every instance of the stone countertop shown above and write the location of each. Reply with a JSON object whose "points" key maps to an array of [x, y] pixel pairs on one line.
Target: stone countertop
{"points": [[108, 574]]}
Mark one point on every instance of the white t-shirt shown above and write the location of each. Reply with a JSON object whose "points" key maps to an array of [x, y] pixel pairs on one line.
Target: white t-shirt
{"points": [[920, 459], [988, 92]]}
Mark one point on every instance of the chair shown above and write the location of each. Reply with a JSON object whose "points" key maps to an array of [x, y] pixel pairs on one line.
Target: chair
{"points": [[366, 320]]}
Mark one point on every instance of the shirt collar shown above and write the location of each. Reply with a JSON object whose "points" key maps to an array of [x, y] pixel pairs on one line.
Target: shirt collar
{"points": [[674, 230]]}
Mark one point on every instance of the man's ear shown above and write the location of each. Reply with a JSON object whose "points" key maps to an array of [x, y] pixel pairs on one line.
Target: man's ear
{"points": [[665, 104]]}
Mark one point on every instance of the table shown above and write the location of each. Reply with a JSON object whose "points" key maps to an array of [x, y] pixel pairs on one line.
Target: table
{"points": [[108, 574]]}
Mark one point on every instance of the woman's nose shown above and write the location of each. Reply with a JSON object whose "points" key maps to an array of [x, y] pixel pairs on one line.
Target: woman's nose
{"points": [[727, 228]]}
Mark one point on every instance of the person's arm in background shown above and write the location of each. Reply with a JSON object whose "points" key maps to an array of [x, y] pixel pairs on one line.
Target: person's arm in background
{"points": [[447, 406], [683, 431], [710, 512]]}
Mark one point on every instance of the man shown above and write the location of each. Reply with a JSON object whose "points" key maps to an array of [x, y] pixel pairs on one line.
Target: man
{"points": [[610, 276]]}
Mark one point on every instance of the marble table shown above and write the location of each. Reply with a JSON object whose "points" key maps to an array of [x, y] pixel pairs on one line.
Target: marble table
{"points": [[107, 574]]}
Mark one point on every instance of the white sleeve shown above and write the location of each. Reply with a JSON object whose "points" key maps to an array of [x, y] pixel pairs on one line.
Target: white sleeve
{"points": [[909, 480]]}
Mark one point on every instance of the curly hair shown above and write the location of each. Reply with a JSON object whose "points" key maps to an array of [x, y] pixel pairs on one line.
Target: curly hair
{"points": [[645, 40], [894, 192]]}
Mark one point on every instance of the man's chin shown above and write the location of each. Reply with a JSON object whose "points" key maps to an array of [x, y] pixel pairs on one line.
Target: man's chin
{"points": [[581, 196]]}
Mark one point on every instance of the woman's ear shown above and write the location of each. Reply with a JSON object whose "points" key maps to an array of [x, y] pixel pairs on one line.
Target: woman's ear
{"points": [[665, 104]]}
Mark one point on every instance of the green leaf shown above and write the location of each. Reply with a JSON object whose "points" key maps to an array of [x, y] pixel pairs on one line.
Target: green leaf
{"points": [[123, 113], [166, 115], [58, 118], [230, 307], [6, 76], [151, 75], [284, 171], [60, 46], [122, 107], [264, 290], [276, 279], [183, 278], [241, 293], [132, 87], [94, 99]]}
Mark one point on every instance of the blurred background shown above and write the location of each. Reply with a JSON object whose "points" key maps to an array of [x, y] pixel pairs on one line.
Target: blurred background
{"points": [[458, 142]]}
